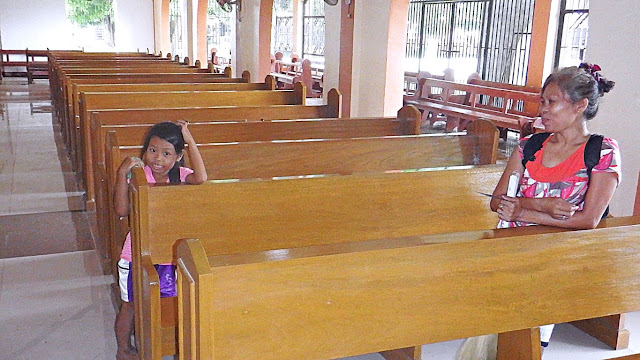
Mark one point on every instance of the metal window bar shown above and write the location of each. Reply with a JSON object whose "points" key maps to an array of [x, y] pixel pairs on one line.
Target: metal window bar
{"points": [[175, 27], [573, 31], [492, 37], [313, 31], [283, 34]]}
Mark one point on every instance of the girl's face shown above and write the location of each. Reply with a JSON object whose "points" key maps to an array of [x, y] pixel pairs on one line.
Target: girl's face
{"points": [[557, 110], [161, 156]]}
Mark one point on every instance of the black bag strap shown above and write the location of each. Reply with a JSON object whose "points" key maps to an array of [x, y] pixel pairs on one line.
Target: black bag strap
{"points": [[592, 152], [592, 158], [532, 146]]}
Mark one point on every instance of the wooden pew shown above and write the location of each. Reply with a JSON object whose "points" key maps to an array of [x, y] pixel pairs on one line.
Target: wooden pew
{"points": [[75, 87], [503, 112], [224, 161], [64, 95], [332, 301], [60, 91], [299, 158], [123, 100], [37, 65], [330, 209]]}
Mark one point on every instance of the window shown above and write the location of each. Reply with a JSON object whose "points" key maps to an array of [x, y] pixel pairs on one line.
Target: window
{"points": [[176, 28], [282, 27], [573, 29], [220, 31]]}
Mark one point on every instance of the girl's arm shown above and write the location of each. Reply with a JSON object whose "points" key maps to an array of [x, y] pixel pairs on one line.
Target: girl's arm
{"points": [[199, 174], [121, 196]]}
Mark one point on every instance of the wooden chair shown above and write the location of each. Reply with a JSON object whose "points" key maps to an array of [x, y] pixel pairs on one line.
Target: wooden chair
{"points": [[307, 79]]}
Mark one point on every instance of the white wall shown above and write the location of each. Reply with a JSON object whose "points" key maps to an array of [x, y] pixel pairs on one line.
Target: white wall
{"points": [[23, 24], [247, 27], [615, 46], [134, 25], [331, 48], [42, 24], [369, 57]]}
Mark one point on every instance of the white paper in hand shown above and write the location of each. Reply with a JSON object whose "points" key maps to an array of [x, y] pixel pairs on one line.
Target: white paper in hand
{"points": [[512, 191]]}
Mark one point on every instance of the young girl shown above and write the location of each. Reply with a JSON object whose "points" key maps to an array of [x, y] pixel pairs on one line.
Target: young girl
{"points": [[161, 157], [555, 188]]}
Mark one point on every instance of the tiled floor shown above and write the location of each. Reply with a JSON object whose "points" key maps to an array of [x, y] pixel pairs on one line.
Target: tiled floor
{"points": [[55, 301]]}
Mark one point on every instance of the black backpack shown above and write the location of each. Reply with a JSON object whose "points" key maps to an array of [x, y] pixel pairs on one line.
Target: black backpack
{"points": [[591, 153]]}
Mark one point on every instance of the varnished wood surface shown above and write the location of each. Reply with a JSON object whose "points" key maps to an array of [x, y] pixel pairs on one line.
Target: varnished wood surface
{"points": [[301, 212], [91, 101], [66, 104], [329, 306], [504, 115], [285, 158], [330, 209], [291, 158]]}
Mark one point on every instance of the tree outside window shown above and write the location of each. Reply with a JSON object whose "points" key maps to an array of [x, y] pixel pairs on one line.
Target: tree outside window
{"points": [[93, 22]]}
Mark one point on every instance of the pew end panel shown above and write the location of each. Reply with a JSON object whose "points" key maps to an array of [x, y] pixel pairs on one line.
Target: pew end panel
{"points": [[328, 301]]}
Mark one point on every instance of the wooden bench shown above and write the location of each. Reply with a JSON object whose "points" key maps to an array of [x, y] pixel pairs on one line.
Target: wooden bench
{"points": [[262, 215], [232, 160], [70, 122], [462, 101], [338, 300], [124, 100], [64, 95], [37, 65], [10, 58]]}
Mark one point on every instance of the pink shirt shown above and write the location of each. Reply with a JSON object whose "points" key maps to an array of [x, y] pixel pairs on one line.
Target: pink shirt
{"points": [[126, 248]]}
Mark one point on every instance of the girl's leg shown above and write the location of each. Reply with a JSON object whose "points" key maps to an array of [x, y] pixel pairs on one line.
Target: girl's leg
{"points": [[125, 323]]}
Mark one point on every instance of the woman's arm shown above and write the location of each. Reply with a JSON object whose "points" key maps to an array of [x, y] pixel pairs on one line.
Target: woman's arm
{"points": [[199, 174], [121, 196], [601, 189], [512, 207]]}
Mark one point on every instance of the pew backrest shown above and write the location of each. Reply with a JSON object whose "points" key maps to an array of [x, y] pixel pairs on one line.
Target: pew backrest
{"points": [[330, 300]]}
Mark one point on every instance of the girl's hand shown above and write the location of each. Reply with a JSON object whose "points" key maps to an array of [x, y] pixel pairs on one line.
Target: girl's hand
{"points": [[186, 134], [509, 208], [128, 164], [558, 208]]}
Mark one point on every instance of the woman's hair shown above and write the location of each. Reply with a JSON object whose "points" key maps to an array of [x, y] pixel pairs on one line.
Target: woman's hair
{"points": [[581, 82], [172, 133]]}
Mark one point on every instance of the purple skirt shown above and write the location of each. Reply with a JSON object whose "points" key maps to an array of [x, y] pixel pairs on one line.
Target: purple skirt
{"points": [[167, 276]]}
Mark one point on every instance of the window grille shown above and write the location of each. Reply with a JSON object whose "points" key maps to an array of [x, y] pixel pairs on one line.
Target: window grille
{"points": [[282, 27], [220, 30], [313, 31], [573, 30], [491, 37], [176, 26]]}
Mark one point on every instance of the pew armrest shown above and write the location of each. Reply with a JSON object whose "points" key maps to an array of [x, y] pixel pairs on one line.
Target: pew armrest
{"points": [[149, 306]]}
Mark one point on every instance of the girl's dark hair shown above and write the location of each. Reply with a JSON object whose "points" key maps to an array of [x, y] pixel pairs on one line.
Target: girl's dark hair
{"points": [[581, 82], [171, 133]]}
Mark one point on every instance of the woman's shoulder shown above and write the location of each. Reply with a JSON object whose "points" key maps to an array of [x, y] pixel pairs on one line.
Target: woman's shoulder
{"points": [[609, 144]]}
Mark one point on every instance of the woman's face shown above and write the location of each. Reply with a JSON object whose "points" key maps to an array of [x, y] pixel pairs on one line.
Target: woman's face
{"points": [[557, 110]]}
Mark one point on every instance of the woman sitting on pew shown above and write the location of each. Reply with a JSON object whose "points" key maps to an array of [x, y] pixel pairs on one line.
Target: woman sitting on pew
{"points": [[556, 187], [161, 158]]}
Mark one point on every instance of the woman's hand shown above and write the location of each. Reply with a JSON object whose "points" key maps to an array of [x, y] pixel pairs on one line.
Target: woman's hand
{"points": [[186, 134], [557, 208], [509, 208]]}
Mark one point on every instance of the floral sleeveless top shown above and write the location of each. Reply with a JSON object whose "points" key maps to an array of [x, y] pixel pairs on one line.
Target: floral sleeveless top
{"points": [[567, 180]]}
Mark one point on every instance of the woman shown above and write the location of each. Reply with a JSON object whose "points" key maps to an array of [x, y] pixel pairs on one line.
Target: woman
{"points": [[554, 186]]}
